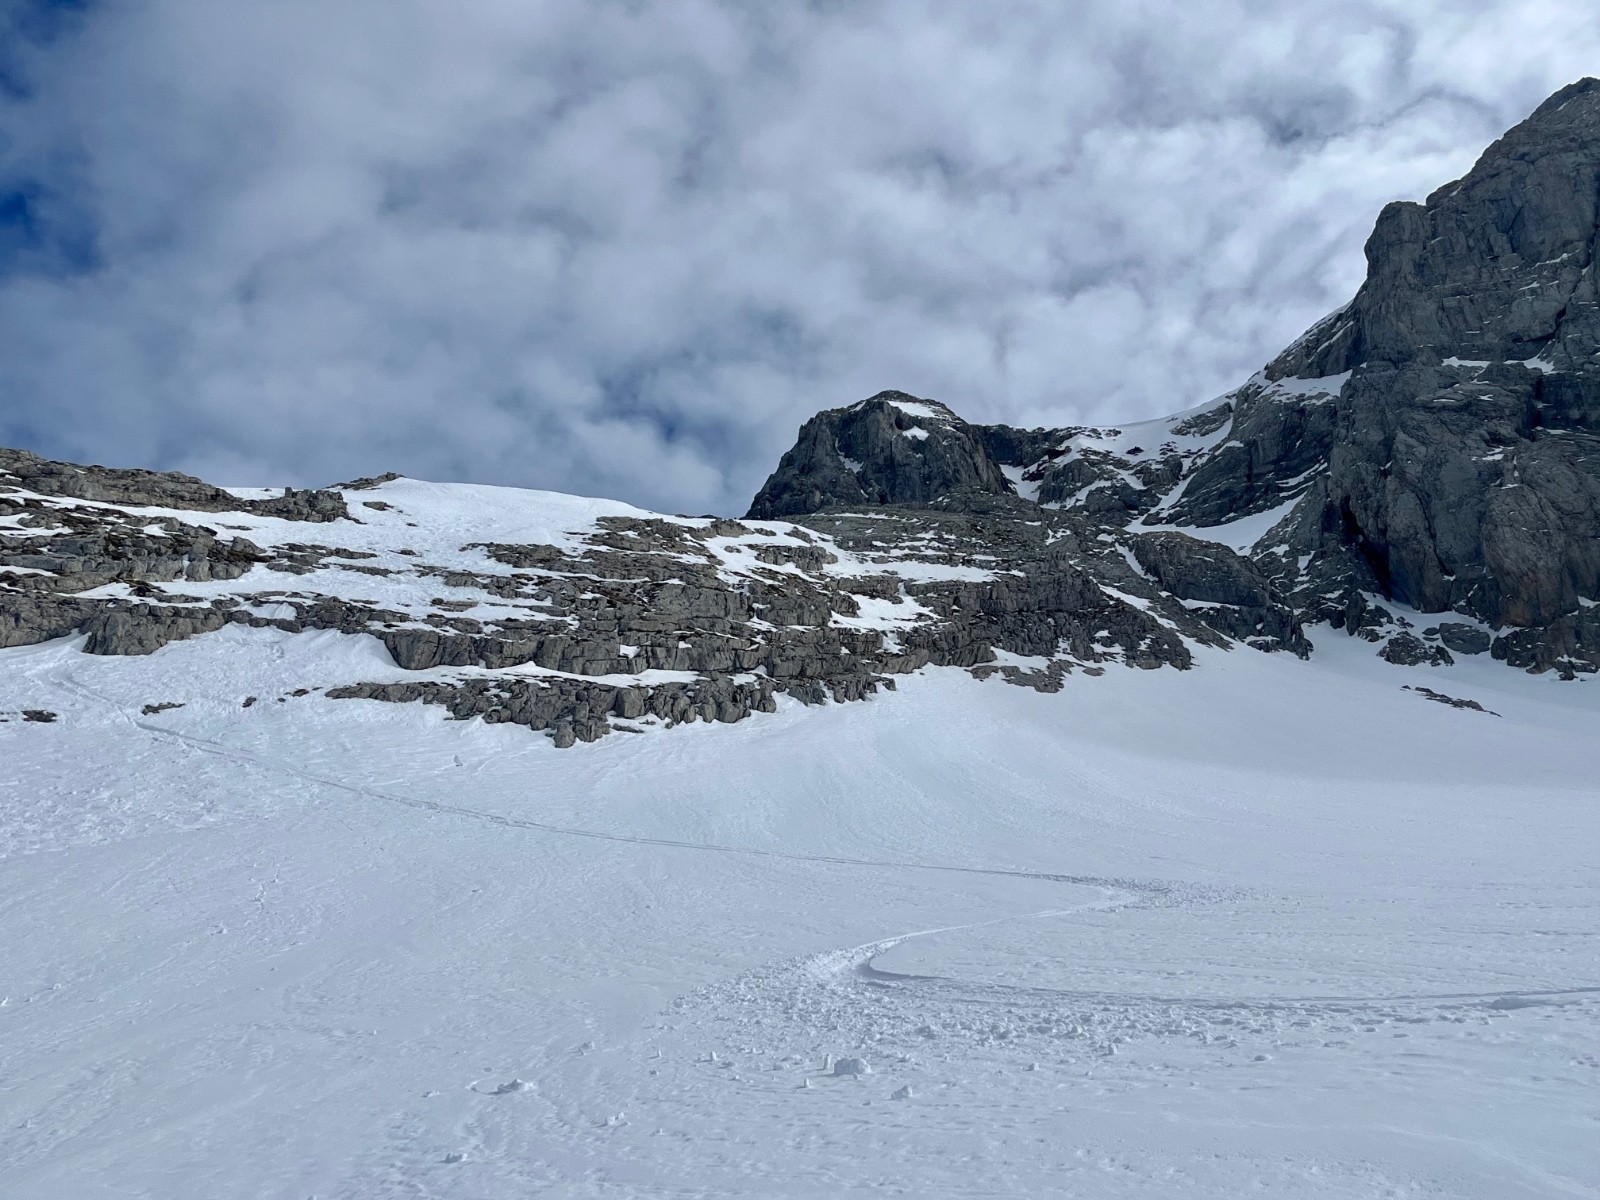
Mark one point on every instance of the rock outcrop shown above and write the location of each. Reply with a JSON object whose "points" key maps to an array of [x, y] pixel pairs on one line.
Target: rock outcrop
{"points": [[1464, 467], [633, 619], [890, 449], [160, 489]]}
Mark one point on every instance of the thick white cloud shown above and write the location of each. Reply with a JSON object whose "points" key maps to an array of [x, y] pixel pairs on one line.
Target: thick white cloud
{"points": [[627, 246]]}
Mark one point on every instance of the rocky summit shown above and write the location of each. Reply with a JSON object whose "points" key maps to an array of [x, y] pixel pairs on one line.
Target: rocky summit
{"points": [[1420, 470]]}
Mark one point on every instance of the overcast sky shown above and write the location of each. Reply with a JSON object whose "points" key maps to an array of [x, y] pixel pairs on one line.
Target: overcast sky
{"points": [[625, 247]]}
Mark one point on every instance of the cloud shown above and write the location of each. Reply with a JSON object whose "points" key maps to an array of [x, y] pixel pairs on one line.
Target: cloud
{"points": [[626, 246]]}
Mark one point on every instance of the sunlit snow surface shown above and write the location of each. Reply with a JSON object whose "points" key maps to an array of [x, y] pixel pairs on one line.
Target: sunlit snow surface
{"points": [[1265, 927]]}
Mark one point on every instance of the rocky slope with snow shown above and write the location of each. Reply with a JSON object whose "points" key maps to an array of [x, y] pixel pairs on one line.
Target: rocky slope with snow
{"points": [[579, 616], [1421, 469]]}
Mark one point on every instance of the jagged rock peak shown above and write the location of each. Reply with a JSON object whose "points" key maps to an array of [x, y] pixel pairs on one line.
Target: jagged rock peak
{"points": [[1463, 464], [892, 448], [917, 407], [1435, 442], [1495, 267]]}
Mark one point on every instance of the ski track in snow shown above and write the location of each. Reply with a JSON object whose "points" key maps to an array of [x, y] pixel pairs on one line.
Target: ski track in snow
{"points": [[210, 746], [272, 953]]}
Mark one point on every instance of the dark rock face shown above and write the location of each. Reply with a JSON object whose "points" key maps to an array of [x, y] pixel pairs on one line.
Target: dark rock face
{"points": [[1464, 639], [1242, 602], [1408, 650], [1497, 266], [1279, 437], [1452, 701], [1435, 443], [1464, 467], [890, 449]]}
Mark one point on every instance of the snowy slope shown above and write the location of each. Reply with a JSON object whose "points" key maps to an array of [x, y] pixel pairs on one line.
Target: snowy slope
{"points": [[1262, 926]]}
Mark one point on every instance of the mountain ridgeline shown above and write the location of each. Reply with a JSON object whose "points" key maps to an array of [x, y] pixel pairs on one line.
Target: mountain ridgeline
{"points": [[1421, 470], [1434, 443]]}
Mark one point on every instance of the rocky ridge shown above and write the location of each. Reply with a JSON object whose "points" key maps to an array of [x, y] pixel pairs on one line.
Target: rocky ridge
{"points": [[1432, 446], [1421, 469], [601, 616]]}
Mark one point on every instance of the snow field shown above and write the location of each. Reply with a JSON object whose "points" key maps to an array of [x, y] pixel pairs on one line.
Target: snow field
{"points": [[1263, 926]]}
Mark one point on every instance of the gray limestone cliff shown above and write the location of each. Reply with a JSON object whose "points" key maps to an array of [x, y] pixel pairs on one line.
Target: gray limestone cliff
{"points": [[1463, 466]]}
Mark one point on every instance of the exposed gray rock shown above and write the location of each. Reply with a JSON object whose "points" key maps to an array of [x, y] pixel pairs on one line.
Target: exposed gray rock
{"points": [[111, 485], [891, 449], [1569, 645], [1195, 570], [1243, 603], [1433, 446], [1408, 650], [1278, 438], [144, 630], [302, 504], [27, 618], [1495, 267], [1111, 478], [158, 489], [1464, 639], [1452, 701], [574, 711], [367, 482], [1465, 466], [983, 574]]}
